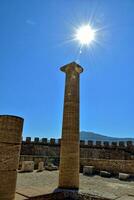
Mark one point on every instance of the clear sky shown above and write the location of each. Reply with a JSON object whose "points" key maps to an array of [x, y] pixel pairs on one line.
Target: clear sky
{"points": [[35, 41]]}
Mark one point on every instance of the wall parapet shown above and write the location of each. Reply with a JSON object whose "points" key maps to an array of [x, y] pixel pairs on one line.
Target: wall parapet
{"points": [[37, 140], [103, 144], [83, 143]]}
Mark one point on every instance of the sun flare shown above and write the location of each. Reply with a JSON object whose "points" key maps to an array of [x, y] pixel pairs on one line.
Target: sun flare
{"points": [[85, 34]]}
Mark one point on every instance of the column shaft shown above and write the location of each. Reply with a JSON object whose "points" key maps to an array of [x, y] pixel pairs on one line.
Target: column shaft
{"points": [[69, 154], [10, 143]]}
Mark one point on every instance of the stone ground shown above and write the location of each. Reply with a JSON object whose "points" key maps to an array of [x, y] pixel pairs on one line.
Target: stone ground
{"points": [[38, 183]]}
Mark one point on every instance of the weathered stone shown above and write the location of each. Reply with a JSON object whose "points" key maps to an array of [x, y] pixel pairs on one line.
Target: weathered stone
{"points": [[106, 144], [86, 151], [98, 143], [27, 166], [52, 141], [9, 156], [90, 143], [28, 140], [69, 152], [113, 166], [51, 167], [7, 185], [44, 140], [121, 144], [59, 141], [40, 166], [105, 174], [10, 129], [10, 142], [123, 176], [114, 144], [129, 143], [36, 139], [82, 142], [88, 170]]}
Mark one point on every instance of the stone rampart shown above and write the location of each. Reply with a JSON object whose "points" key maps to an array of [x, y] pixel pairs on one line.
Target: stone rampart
{"points": [[88, 149], [113, 157], [113, 166]]}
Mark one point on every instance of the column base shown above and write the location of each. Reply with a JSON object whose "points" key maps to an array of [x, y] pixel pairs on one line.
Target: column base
{"points": [[67, 189], [71, 193]]}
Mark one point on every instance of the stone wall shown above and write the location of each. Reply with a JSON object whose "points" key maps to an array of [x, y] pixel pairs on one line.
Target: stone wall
{"points": [[98, 150], [113, 166], [40, 147], [104, 156]]}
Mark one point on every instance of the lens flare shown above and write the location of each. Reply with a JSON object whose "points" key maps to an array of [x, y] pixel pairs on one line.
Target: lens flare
{"points": [[85, 34]]}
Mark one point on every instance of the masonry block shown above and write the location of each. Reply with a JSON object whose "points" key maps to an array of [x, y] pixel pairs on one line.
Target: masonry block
{"points": [[27, 166], [114, 144], [40, 166], [90, 143], [129, 143], [106, 144], [88, 170], [36, 139], [28, 139], [98, 143], [59, 141], [8, 185], [82, 142], [9, 156], [121, 144], [105, 174], [44, 140], [10, 143], [123, 176], [52, 141], [10, 129]]}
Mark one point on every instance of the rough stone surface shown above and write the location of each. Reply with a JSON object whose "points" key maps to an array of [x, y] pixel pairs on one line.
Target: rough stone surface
{"points": [[10, 129], [88, 170], [10, 142], [51, 167], [109, 158], [7, 185], [9, 156], [27, 166], [41, 166], [69, 154], [105, 174], [123, 176], [112, 166]]}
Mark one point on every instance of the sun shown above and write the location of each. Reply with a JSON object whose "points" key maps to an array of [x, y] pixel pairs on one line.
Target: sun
{"points": [[85, 35]]}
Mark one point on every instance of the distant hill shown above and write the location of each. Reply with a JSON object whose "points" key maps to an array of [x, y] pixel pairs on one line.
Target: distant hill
{"points": [[98, 137]]}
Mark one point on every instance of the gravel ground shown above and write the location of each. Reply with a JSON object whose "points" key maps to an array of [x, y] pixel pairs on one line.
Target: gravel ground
{"points": [[38, 183]]}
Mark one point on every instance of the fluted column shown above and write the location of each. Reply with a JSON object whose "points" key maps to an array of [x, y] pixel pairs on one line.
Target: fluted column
{"points": [[69, 155], [10, 143]]}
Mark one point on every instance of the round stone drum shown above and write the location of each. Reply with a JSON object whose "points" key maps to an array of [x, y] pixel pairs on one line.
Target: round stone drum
{"points": [[10, 143]]}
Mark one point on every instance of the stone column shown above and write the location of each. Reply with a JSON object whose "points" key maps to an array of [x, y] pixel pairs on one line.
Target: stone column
{"points": [[69, 154], [10, 143]]}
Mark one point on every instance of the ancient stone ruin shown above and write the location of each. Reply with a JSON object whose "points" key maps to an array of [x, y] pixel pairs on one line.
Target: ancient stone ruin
{"points": [[70, 154], [69, 151], [10, 143], [113, 157]]}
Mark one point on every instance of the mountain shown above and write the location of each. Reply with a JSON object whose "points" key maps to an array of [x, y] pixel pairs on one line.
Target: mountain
{"points": [[98, 137]]}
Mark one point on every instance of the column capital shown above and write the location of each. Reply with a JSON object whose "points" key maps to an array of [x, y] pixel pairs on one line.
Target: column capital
{"points": [[72, 67]]}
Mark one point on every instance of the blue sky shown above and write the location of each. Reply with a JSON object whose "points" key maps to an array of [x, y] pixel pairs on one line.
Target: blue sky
{"points": [[35, 41]]}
